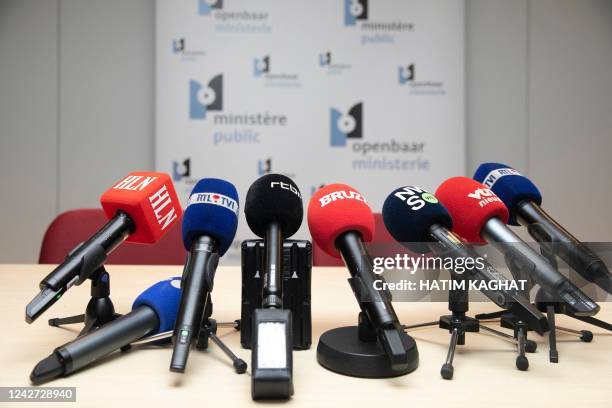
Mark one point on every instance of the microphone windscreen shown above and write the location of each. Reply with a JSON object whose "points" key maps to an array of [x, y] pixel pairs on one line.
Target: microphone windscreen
{"points": [[509, 185], [150, 201], [274, 198], [164, 298], [409, 212], [212, 211], [335, 209], [470, 205]]}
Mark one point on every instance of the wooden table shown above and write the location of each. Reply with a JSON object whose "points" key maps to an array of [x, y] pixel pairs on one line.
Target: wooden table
{"points": [[485, 374]]}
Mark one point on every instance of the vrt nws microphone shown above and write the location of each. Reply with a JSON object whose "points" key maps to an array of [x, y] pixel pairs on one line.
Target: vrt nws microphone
{"points": [[415, 218], [274, 212], [480, 216], [153, 311], [141, 208], [523, 200], [209, 226], [340, 221]]}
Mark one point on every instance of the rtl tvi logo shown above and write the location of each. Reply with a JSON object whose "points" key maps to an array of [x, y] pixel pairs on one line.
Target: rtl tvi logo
{"points": [[405, 74], [205, 98], [261, 66], [206, 6], [355, 10], [349, 125]]}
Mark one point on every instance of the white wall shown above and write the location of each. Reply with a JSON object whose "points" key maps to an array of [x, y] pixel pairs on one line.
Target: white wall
{"points": [[76, 105]]}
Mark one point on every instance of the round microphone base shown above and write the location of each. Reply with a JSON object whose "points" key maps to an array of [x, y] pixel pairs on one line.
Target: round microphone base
{"points": [[341, 351]]}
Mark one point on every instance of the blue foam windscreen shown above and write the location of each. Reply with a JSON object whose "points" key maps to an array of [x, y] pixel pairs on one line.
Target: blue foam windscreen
{"points": [[164, 298], [409, 212], [509, 185], [212, 210]]}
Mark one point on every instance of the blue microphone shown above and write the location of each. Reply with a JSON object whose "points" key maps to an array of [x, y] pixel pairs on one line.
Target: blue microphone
{"points": [[523, 200], [153, 312], [209, 225]]}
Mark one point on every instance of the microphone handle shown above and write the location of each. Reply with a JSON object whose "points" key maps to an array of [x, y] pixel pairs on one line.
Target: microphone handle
{"points": [[90, 255], [197, 283], [374, 303], [521, 256], [273, 267], [544, 229], [108, 338]]}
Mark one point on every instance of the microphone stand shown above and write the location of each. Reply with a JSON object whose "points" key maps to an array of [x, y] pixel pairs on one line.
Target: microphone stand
{"points": [[458, 324]]}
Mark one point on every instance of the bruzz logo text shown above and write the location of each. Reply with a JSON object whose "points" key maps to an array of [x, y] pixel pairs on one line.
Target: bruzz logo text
{"points": [[349, 125], [341, 195], [415, 198], [355, 10], [205, 98], [205, 7]]}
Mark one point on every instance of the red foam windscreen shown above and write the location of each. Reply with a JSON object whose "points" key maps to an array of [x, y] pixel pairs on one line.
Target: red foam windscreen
{"points": [[149, 199], [338, 208], [470, 204]]}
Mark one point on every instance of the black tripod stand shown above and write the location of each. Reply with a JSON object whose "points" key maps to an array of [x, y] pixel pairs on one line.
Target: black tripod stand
{"points": [[100, 309], [458, 324]]}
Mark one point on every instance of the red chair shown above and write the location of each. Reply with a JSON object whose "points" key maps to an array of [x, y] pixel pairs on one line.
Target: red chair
{"points": [[75, 226], [381, 236]]}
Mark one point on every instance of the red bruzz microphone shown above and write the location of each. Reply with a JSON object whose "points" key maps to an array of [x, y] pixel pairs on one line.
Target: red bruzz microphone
{"points": [[141, 208], [480, 216], [340, 221]]}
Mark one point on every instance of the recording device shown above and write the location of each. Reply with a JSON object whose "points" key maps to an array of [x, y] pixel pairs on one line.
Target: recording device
{"points": [[141, 208], [415, 218], [523, 200], [274, 212], [480, 216], [296, 277], [340, 221], [153, 311], [209, 226]]}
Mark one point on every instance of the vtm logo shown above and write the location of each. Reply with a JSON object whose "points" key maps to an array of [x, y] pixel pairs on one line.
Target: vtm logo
{"points": [[415, 197], [181, 170], [341, 195], [203, 99], [405, 74], [261, 66], [206, 6], [484, 196], [355, 10], [343, 126]]}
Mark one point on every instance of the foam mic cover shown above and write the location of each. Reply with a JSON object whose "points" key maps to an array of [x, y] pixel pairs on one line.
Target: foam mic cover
{"points": [[409, 212], [212, 211], [470, 204], [274, 198], [150, 201], [164, 298], [509, 185], [335, 209]]}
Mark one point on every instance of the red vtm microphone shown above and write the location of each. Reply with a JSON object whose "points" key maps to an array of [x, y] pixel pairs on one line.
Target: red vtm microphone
{"points": [[340, 220], [141, 208], [480, 216]]}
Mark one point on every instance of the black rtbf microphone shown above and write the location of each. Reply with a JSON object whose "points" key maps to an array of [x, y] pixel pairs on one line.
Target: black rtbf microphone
{"points": [[523, 200], [153, 312], [209, 226], [274, 212], [415, 218]]}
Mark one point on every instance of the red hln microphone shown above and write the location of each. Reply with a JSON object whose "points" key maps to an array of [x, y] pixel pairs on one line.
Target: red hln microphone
{"points": [[141, 208]]}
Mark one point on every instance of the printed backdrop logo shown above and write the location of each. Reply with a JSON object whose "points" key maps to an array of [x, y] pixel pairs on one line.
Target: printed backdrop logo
{"points": [[203, 99], [264, 167], [179, 47], [343, 126], [181, 170], [261, 66], [355, 10], [406, 73], [206, 6], [331, 67], [325, 58]]}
